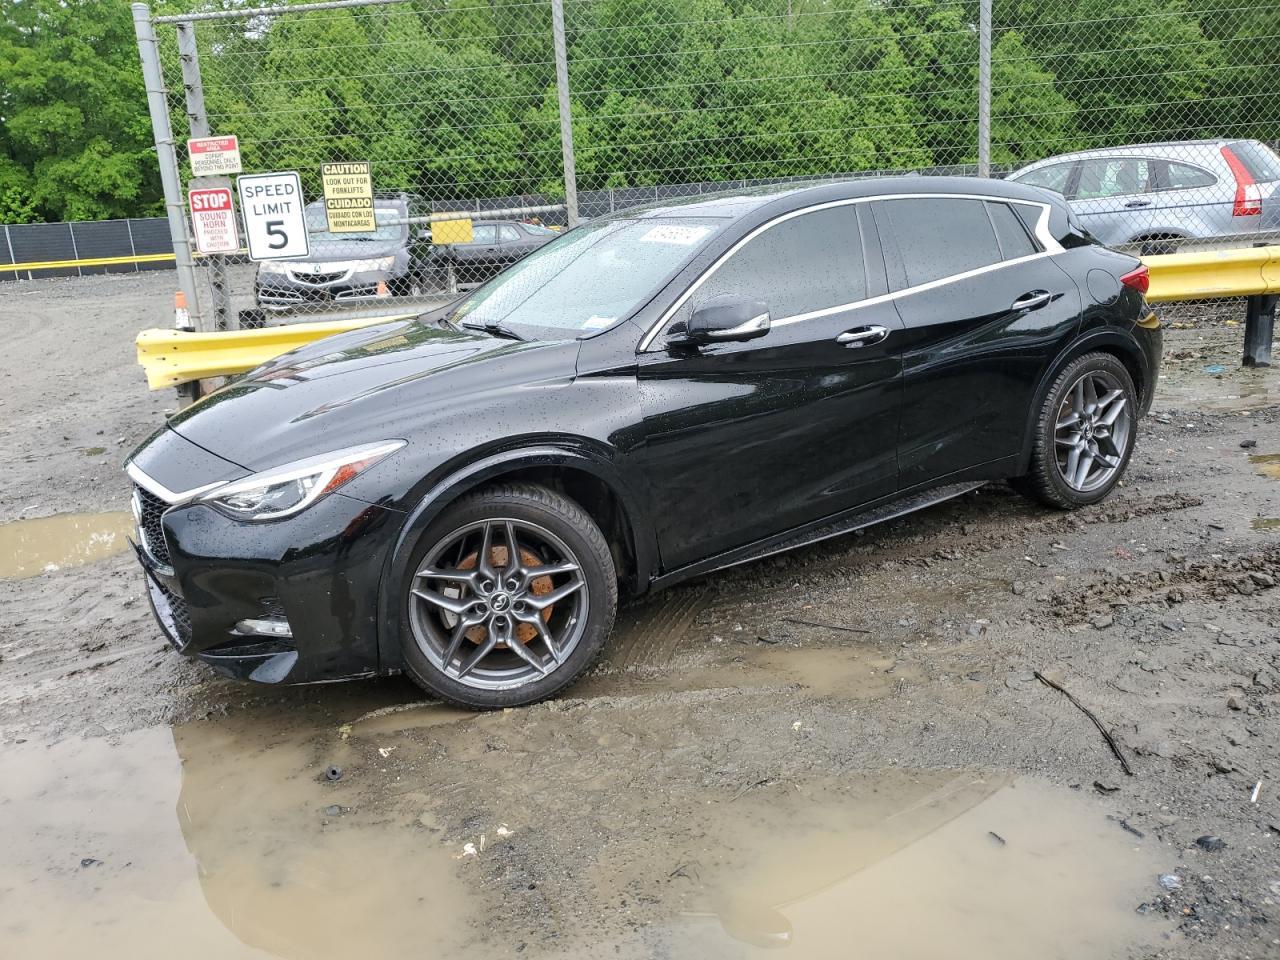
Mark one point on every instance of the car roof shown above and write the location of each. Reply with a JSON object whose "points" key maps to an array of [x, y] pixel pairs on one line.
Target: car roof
{"points": [[732, 204], [1180, 149]]}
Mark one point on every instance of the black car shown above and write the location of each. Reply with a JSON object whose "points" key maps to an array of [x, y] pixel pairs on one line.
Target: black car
{"points": [[650, 397]]}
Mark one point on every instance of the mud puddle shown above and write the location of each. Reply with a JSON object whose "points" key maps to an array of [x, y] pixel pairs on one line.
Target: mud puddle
{"points": [[29, 548], [915, 865], [208, 843], [224, 839]]}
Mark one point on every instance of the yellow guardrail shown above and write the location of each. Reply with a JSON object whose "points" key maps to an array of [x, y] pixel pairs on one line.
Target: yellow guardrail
{"points": [[172, 357], [89, 262], [1209, 274]]}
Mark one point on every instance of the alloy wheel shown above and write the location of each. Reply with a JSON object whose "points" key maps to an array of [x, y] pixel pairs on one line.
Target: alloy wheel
{"points": [[498, 604], [1092, 431]]}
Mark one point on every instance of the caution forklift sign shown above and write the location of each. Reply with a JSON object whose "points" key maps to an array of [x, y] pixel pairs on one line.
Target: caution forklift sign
{"points": [[348, 197]]}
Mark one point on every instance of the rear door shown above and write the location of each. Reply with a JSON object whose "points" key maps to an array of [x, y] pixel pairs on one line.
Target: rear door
{"points": [[984, 308], [746, 440], [1113, 197]]}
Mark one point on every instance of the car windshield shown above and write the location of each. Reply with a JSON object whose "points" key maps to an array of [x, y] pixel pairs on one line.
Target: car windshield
{"points": [[318, 227], [592, 277]]}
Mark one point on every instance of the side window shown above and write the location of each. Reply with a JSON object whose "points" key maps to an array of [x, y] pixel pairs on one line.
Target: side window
{"points": [[1012, 235], [1113, 177], [484, 233], [1183, 176], [1053, 177], [807, 263], [941, 237], [508, 233]]}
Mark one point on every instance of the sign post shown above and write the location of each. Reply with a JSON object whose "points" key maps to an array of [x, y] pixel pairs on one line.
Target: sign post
{"points": [[213, 220], [274, 211], [348, 197]]}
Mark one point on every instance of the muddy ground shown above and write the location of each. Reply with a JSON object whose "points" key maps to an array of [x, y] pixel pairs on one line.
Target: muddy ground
{"points": [[845, 751]]}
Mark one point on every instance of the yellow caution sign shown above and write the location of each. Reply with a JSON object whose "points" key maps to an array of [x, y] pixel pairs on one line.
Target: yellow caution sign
{"points": [[452, 231], [348, 197]]}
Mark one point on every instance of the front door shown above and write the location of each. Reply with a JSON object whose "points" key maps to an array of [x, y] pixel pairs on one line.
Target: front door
{"points": [[746, 440]]}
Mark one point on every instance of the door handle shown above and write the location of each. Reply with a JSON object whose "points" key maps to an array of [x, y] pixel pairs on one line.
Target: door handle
{"points": [[1033, 300], [1138, 203], [862, 336]]}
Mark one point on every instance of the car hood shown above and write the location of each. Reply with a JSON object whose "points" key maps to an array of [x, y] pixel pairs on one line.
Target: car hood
{"points": [[366, 385]]}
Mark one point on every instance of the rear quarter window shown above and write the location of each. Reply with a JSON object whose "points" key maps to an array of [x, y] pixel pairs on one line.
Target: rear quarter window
{"points": [[1012, 235], [1183, 176]]}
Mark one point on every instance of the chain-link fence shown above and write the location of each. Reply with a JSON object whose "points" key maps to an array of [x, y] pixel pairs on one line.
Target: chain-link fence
{"points": [[530, 114]]}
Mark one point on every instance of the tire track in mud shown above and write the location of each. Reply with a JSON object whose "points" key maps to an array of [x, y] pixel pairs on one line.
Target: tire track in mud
{"points": [[648, 635]]}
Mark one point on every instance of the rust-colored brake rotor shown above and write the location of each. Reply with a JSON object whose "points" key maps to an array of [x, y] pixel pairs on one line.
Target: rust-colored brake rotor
{"points": [[539, 587]]}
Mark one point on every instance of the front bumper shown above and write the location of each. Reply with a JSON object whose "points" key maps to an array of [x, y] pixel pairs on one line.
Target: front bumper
{"points": [[211, 579], [287, 291]]}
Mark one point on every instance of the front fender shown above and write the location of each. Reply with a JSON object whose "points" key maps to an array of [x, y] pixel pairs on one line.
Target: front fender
{"points": [[445, 489]]}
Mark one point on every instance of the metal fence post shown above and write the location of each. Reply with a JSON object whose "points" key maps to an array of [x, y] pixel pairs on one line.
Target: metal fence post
{"points": [[566, 116], [984, 88], [198, 121], [162, 129]]}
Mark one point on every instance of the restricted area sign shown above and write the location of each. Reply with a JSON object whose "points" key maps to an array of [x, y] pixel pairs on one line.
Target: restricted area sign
{"points": [[214, 156], [348, 197], [213, 218], [275, 220]]}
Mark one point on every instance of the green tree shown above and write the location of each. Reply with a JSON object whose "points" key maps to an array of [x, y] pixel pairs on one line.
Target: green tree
{"points": [[75, 139]]}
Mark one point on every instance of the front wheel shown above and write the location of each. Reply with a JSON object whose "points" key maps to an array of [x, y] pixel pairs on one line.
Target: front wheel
{"points": [[511, 594], [1084, 434]]}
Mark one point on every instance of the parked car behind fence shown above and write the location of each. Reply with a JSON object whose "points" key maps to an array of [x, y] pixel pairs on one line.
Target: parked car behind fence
{"points": [[1157, 194]]}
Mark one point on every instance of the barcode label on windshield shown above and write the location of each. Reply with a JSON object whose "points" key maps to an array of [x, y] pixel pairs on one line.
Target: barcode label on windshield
{"points": [[671, 233]]}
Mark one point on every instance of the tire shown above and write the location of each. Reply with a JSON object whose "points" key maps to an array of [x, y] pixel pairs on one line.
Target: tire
{"points": [[1158, 246], [453, 608], [1056, 436]]}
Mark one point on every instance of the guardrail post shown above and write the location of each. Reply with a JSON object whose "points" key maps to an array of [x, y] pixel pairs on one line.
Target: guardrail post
{"points": [[1259, 329], [198, 121], [162, 130]]}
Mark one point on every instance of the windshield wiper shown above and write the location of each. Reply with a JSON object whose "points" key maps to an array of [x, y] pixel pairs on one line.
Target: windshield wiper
{"points": [[495, 329]]}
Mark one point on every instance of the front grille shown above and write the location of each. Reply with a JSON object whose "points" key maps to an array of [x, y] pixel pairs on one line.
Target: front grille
{"points": [[319, 279], [150, 509], [171, 610]]}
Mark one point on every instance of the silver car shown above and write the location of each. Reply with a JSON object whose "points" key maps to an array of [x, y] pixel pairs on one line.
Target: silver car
{"points": [[1157, 194]]}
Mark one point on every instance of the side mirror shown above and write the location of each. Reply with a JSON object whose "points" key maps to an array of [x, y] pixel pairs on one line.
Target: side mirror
{"points": [[727, 319]]}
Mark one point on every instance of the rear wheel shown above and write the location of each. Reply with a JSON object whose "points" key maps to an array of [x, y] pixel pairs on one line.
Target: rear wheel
{"points": [[511, 595], [1084, 433]]}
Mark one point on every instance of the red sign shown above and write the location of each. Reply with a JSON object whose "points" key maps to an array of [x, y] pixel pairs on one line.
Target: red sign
{"points": [[213, 220], [214, 156]]}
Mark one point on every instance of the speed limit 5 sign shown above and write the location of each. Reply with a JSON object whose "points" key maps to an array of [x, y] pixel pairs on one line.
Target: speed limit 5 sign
{"points": [[275, 222]]}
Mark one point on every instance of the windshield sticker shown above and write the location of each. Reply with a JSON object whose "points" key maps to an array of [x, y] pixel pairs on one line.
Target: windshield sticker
{"points": [[671, 233], [598, 323]]}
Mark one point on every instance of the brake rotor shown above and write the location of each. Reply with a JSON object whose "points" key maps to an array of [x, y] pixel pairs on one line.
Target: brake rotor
{"points": [[539, 587]]}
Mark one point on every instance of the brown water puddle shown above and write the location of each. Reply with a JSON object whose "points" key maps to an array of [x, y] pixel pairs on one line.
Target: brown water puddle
{"points": [[223, 839], [915, 865], [1267, 464], [29, 548], [1265, 523]]}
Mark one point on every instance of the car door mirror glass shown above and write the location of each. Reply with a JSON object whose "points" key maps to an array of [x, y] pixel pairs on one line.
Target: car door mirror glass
{"points": [[726, 319]]}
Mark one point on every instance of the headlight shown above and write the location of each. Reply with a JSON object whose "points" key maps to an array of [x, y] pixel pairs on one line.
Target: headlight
{"points": [[289, 489], [381, 263]]}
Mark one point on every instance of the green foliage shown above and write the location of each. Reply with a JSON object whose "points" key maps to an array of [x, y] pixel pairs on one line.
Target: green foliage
{"points": [[75, 140], [458, 100]]}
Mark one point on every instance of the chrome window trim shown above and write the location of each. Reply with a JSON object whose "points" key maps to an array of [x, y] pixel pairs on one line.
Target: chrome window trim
{"points": [[1050, 246], [172, 498]]}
